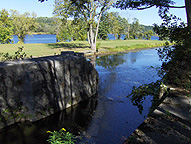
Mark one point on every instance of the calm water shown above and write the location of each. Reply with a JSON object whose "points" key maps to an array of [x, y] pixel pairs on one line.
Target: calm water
{"points": [[51, 38], [45, 38], [106, 118]]}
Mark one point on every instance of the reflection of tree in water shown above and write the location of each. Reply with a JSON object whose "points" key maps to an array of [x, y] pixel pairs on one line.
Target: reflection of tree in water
{"points": [[74, 119], [106, 82], [139, 94], [133, 57], [110, 61]]}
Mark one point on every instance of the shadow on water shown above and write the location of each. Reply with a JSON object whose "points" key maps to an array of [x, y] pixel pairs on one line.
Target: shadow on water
{"points": [[74, 119], [106, 118], [116, 117]]}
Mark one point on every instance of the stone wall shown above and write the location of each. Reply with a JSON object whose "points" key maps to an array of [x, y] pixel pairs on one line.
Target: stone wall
{"points": [[35, 88]]}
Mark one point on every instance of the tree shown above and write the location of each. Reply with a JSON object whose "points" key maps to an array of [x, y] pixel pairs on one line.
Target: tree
{"points": [[114, 23], [80, 29], [24, 24], [57, 24], [72, 30], [134, 28], [104, 27], [188, 13], [163, 6], [148, 34], [90, 10], [175, 69], [48, 25], [123, 26], [6, 27], [66, 31]]}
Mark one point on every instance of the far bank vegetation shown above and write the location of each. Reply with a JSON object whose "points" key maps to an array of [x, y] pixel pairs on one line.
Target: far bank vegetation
{"points": [[72, 30]]}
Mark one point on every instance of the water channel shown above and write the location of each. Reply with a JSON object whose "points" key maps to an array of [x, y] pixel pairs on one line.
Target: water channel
{"points": [[105, 118]]}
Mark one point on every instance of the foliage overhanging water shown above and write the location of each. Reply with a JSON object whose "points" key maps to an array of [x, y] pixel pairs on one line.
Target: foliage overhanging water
{"points": [[105, 118]]}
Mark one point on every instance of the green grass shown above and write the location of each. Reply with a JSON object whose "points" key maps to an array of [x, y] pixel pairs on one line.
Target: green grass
{"points": [[114, 43], [55, 48]]}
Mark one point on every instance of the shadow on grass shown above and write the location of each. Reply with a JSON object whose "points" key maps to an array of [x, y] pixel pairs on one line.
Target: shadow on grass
{"points": [[67, 45]]}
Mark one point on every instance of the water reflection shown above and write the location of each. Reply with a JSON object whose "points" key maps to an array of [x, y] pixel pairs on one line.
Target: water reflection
{"points": [[109, 116], [75, 119], [110, 61], [133, 57], [118, 117]]}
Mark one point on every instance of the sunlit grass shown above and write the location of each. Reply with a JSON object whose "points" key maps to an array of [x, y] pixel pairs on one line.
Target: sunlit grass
{"points": [[135, 46], [79, 46]]}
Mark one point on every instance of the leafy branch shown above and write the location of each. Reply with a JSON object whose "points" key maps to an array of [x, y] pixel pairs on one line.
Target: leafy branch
{"points": [[139, 94]]}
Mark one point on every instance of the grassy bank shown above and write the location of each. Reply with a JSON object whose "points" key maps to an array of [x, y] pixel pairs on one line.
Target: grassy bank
{"points": [[79, 46]]}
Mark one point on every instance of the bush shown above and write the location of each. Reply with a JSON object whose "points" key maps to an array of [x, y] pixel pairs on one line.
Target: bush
{"points": [[19, 55]]}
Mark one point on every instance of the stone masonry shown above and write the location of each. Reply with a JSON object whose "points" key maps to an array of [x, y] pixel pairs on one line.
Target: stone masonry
{"points": [[36, 88]]}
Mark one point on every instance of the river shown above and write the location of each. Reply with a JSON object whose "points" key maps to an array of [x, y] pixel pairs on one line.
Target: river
{"points": [[106, 118], [51, 38]]}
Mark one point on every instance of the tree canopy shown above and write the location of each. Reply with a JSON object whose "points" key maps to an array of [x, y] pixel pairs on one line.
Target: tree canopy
{"points": [[175, 69], [163, 5], [89, 10], [23, 24], [6, 27], [145, 4]]}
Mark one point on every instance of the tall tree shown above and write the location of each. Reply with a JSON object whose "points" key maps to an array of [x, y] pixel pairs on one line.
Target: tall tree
{"points": [[104, 27], [66, 31], [48, 25], [80, 29], [90, 10], [24, 24], [175, 69], [57, 24], [123, 26], [148, 34], [188, 13], [114, 23], [163, 5], [134, 29], [6, 27]]}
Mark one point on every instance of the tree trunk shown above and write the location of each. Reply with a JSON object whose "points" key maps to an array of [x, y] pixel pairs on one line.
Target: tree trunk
{"points": [[92, 37], [119, 36], [115, 36], [128, 30], [93, 47], [95, 39], [88, 34], [188, 13]]}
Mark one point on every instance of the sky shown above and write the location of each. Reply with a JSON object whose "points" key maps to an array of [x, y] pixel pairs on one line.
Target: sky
{"points": [[45, 9]]}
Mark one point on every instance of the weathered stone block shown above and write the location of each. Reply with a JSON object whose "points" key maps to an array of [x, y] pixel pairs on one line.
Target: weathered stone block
{"points": [[33, 89]]}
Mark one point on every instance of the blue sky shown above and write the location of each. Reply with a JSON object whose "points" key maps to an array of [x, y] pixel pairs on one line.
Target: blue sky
{"points": [[146, 17]]}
